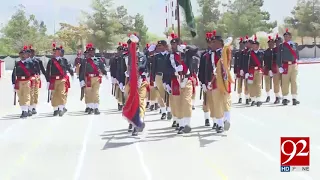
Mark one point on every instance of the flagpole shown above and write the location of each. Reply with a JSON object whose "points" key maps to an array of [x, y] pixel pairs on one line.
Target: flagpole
{"points": [[178, 19]]}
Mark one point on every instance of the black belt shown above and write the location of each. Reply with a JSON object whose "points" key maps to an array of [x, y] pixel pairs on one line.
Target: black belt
{"points": [[159, 73]]}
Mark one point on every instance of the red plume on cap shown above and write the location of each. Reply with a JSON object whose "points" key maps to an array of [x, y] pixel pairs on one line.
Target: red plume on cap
{"points": [[25, 47], [255, 37], [30, 46], [135, 34], [172, 35], [185, 43], [54, 45], [277, 36], [247, 37], [147, 45], [119, 43], [124, 45], [241, 39], [269, 37], [287, 30], [61, 47], [214, 32], [129, 34]]}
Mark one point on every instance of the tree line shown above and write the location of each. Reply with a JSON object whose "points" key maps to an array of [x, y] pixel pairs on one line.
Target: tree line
{"points": [[106, 26]]}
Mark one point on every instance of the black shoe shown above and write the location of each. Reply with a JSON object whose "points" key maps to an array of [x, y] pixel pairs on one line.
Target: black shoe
{"points": [[130, 128], [250, 100], [169, 115], [90, 111], [240, 100], [151, 108], [34, 111], [180, 131], [160, 112], [193, 108], [207, 122], [156, 106], [56, 113], [163, 116], [285, 102], [187, 129], [247, 102], [65, 109], [29, 113], [295, 102], [134, 132], [119, 107], [174, 124], [215, 125], [259, 103], [61, 112], [87, 110], [220, 129], [148, 104], [253, 103], [24, 115], [226, 125], [277, 101], [178, 127], [268, 99], [96, 111]]}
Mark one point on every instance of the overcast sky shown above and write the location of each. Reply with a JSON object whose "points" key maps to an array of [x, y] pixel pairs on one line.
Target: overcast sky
{"points": [[51, 11]]}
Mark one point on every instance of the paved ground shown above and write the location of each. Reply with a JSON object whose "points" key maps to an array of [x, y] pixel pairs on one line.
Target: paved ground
{"points": [[83, 147]]}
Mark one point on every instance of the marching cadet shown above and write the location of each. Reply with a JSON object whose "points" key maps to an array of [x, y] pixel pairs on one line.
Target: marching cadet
{"points": [[159, 68], [113, 71], [21, 76], [58, 81], [36, 83], [253, 72], [238, 60], [121, 77], [77, 63], [153, 94], [288, 68], [90, 78], [148, 67], [275, 70], [221, 84], [269, 58], [206, 68], [245, 56], [179, 85], [143, 85]]}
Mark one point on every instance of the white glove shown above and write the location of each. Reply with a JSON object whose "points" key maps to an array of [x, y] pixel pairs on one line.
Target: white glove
{"points": [[14, 90], [139, 82], [215, 71], [184, 83], [82, 84], [179, 68], [204, 88], [121, 87], [117, 82], [246, 76], [241, 73], [113, 80], [270, 73], [126, 73], [154, 84], [48, 85], [281, 70], [235, 76], [168, 88], [209, 87]]}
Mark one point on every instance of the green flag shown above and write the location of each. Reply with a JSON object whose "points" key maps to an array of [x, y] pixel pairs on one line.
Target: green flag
{"points": [[187, 8]]}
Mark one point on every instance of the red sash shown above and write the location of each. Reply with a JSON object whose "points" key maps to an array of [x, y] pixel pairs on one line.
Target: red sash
{"points": [[52, 80], [238, 72], [255, 59], [26, 72], [291, 50], [251, 74], [194, 75], [266, 71], [216, 59], [177, 57], [175, 86], [274, 68], [95, 71], [151, 82]]}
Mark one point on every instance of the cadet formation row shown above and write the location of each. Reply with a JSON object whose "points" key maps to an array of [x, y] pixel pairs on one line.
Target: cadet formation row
{"points": [[167, 78]]}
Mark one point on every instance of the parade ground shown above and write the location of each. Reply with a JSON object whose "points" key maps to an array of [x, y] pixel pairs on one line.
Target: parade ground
{"points": [[98, 147]]}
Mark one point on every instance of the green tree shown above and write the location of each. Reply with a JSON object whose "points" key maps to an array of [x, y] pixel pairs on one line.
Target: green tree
{"points": [[141, 29]]}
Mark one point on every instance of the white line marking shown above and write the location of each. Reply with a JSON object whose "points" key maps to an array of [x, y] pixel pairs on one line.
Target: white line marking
{"points": [[268, 156], [251, 119], [11, 127], [142, 162], [83, 150]]}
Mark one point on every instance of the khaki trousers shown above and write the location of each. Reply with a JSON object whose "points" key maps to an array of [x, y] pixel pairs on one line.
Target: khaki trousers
{"points": [[161, 91], [240, 84], [59, 95], [182, 104], [276, 83], [92, 93], [23, 93], [227, 102], [290, 79], [267, 82], [218, 104], [208, 107], [255, 87], [34, 91], [142, 91]]}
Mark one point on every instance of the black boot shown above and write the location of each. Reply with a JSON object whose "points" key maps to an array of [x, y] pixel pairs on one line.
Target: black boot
{"points": [[220, 129], [119, 107], [24, 114], [135, 132], [285, 102], [96, 111], [56, 113], [268, 99], [156, 106], [163, 116], [151, 107], [250, 100], [295, 102], [87, 110], [62, 112], [247, 102], [148, 104], [187, 129], [215, 125], [34, 111], [130, 128], [277, 101], [169, 115], [193, 108], [174, 124], [240, 100], [90, 111], [180, 131], [178, 127], [207, 122], [253, 103], [259, 103], [29, 113]]}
